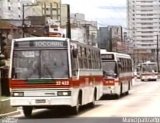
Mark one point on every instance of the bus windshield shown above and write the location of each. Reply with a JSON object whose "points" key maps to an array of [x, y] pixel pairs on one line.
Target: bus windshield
{"points": [[40, 64], [149, 68], [109, 68]]}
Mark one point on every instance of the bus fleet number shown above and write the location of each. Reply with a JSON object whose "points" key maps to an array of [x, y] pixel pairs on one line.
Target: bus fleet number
{"points": [[62, 83]]}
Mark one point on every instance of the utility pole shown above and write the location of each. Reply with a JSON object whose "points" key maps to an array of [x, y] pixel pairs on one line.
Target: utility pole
{"points": [[1, 41], [158, 53], [110, 39], [68, 28], [23, 20]]}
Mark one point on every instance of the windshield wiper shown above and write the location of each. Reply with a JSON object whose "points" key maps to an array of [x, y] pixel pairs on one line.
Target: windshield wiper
{"points": [[14, 74], [35, 67], [48, 71]]}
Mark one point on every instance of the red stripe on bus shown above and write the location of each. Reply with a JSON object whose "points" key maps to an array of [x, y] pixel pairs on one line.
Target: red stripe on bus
{"points": [[117, 80], [59, 83]]}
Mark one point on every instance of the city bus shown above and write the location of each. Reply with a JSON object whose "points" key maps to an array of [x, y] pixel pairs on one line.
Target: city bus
{"points": [[148, 71], [117, 72], [49, 72]]}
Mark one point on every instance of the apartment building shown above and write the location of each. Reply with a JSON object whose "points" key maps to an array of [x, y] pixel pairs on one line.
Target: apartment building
{"points": [[111, 38], [81, 29], [12, 9], [51, 8], [143, 27]]}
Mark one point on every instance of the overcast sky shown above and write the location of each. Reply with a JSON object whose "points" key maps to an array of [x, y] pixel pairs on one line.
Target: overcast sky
{"points": [[106, 12]]}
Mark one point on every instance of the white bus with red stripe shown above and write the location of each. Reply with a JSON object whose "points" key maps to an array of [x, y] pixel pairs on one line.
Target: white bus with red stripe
{"points": [[148, 71], [117, 72], [53, 71]]}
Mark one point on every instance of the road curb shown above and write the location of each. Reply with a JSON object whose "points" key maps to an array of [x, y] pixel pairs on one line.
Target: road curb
{"points": [[6, 109], [10, 114]]}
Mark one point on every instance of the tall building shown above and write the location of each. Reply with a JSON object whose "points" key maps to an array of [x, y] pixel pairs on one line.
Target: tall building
{"points": [[103, 38], [110, 38], [143, 27], [77, 18], [12, 9], [51, 8]]}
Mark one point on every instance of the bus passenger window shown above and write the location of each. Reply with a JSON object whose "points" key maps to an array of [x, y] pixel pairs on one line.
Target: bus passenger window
{"points": [[14, 74], [75, 53], [74, 62]]}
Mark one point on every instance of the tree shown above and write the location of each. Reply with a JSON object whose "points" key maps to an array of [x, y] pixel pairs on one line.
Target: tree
{"points": [[2, 62], [2, 43]]}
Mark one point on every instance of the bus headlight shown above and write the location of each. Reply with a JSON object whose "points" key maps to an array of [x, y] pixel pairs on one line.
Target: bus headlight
{"points": [[17, 94], [64, 93]]}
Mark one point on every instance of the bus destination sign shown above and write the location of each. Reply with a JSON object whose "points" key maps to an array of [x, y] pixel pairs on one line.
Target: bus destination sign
{"points": [[48, 44], [41, 44], [107, 57]]}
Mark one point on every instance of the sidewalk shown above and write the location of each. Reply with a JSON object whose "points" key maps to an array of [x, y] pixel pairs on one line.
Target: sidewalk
{"points": [[5, 108]]}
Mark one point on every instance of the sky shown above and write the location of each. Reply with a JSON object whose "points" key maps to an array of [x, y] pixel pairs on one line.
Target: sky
{"points": [[105, 12]]}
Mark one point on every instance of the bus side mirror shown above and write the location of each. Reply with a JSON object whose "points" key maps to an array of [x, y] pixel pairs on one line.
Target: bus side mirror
{"points": [[119, 64], [75, 53]]}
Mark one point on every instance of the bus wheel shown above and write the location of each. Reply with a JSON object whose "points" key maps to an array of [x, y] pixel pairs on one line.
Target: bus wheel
{"points": [[75, 109], [92, 104], [129, 87], [27, 110], [120, 92]]}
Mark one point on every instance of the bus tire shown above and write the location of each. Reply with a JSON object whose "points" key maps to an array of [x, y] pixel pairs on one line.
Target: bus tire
{"points": [[27, 111], [92, 104], [75, 109], [129, 87], [120, 92]]}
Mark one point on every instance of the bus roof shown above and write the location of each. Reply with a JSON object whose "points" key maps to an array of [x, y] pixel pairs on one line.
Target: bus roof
{"points": [[40, 38], [53, 38], [148, 62], [103, 51]]}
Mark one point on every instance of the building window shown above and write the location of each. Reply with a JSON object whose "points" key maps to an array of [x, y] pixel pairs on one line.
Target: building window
{"points": [[8, 0]]}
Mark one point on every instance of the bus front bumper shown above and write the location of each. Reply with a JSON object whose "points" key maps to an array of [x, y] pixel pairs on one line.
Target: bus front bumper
{"points": [[42, 101], [111, 90], [149, 77]]}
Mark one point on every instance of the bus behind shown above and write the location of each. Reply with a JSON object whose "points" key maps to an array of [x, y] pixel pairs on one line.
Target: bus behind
{"points": [[117, 73]]}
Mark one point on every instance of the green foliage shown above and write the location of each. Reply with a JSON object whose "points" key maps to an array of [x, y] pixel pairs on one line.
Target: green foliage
{"points": [[2, 63], [2, 57]]}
